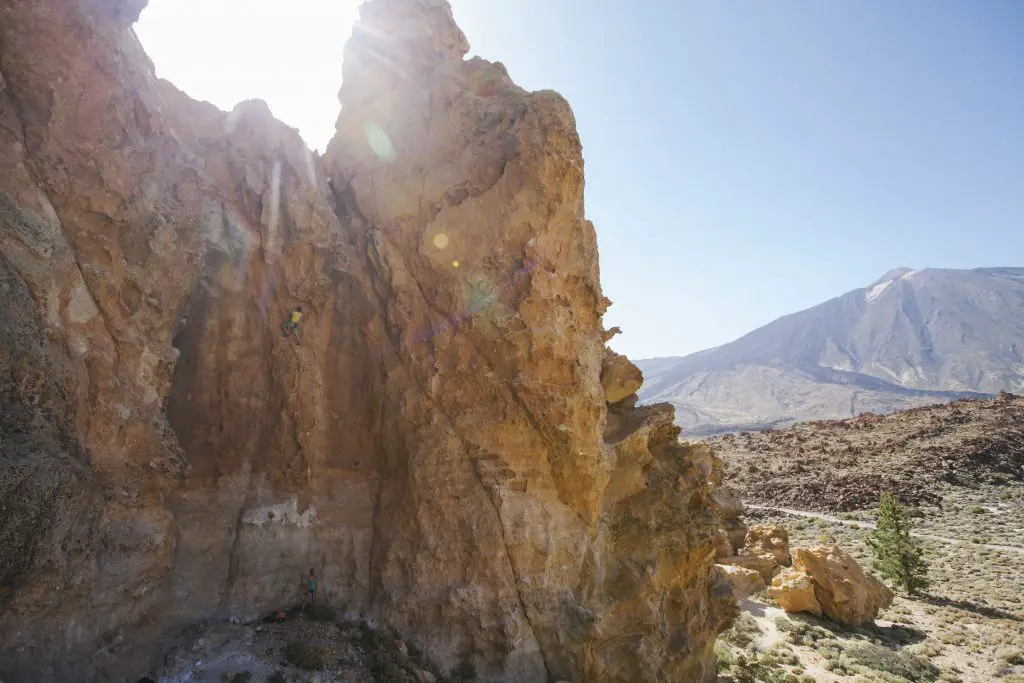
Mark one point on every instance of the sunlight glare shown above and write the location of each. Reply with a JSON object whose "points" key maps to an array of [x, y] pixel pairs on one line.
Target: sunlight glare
{"points": [[227, 51]]}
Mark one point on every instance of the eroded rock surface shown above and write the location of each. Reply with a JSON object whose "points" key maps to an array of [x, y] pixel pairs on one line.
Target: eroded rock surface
{"points": [[794, 592], [437, 444], [768, 540], [745, 582], [842, 590]]}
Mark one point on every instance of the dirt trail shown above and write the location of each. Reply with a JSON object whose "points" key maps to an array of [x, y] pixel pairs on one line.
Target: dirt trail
{"points": [[870, 525]]}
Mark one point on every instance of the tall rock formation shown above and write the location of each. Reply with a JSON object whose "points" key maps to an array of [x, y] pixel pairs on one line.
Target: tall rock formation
{"points": [[438, 444]]}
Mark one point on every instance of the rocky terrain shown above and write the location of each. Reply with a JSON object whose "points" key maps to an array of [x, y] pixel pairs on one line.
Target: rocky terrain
{"points": [[840, 465], [437, 442], [968, 627], [913, 337], [817, 485]]}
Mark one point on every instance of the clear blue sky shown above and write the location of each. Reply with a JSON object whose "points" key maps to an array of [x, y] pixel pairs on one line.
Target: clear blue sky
{"points": [[744, 159]]}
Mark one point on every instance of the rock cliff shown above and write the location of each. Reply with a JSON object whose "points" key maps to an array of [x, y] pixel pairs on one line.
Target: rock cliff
{"points": [[437, 443]]}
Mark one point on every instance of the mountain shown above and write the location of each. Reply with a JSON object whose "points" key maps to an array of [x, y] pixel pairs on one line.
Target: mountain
{"points": [[910, 338]]}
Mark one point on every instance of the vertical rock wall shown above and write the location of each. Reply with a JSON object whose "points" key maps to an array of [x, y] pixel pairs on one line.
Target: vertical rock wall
{"points": [[438, 444]]}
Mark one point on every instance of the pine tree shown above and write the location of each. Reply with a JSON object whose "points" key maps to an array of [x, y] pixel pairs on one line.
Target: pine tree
{"points": [[897, 555]]}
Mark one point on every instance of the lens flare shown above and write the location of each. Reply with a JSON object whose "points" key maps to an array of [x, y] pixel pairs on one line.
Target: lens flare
{"points": [[440, 240], [379, 142]]}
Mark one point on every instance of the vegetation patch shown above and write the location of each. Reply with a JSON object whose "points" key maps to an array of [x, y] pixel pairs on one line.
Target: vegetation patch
{"points": [[898, 663], [743, 632]]}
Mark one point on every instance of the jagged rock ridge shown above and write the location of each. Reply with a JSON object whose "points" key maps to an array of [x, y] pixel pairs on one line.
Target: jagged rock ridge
{"points": [[911, 338], [438, 444]]}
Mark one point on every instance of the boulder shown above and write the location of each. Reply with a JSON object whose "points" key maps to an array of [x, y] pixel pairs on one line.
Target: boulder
{"points": [[745, 582], [765, 566], [768, 540], [794, 592], [619, 377], [846, 593]]}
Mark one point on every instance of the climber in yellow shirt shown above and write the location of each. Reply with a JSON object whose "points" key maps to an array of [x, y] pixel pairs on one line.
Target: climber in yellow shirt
{"points": [[291, 326]]}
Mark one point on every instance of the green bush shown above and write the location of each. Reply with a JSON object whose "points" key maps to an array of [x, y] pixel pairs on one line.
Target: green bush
{"points": [[304, 656]]}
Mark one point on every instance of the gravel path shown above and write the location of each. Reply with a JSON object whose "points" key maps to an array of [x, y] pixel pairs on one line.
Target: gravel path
{"points": [[871, 525]]}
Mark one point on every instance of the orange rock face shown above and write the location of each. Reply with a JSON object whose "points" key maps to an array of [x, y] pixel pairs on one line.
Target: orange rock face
{"points": [[794, 591], [436, 441], [768, 540], [846, 593], [825, 580]]}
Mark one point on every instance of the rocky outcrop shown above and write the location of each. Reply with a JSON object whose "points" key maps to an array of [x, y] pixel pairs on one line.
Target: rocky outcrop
{"points": [[619, 377], [731, 508], [437, 442], [842, 591], [768, 540], [766, 550], [765, 566], [723, 546], [794, 591], [744, 582]]}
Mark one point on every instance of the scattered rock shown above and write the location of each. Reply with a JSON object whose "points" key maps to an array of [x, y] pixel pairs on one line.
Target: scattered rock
{"points": [[745, 582], [843, 592], [847, 594], [765, 566], [843, 465], [794, 592], [768, 540]]}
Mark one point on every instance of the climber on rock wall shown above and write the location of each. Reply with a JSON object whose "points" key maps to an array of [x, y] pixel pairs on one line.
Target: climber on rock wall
{"points": [[291, 326]]}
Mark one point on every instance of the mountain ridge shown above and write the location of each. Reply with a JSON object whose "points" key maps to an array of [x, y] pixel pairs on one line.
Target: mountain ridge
{"points": [[912, 337]]}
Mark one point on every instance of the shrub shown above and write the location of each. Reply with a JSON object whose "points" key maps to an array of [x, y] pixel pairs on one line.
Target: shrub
{"points": [[277, 677], [897, 663], [242, 677], [304, 656], [743, 632], [757, 670], [724, 657]]}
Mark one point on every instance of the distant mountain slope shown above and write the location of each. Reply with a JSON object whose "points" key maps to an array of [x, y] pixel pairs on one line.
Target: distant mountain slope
{"points": [[830, 465], [910, 338]]}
